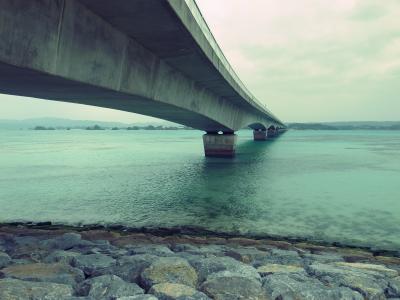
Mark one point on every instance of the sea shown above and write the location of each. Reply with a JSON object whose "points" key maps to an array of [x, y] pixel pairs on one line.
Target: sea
{"points": [[330, 186]]}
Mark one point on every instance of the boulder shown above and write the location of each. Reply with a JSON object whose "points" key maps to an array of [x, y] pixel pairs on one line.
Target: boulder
{"points": [[138, 297], [15, 289], [173, 291], [246, 254], [369, 268], [371, 284], [108, 287], [354, 255], [275, 268], [301, 287], [208, 250], [158, 250], [64, 242], [226, 285], [282, 257], [61, 256], [169, 270], [209, 265], [5, 259], [93, 264], [57, 273], [129, 268], [394, 287], [322, 257]]}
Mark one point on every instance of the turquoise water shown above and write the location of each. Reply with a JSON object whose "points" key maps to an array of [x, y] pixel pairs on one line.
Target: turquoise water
{"points": [[339, 186]]}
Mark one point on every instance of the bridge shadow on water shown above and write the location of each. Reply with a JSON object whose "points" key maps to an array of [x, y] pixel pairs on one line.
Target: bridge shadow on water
{"points": [[223, 192]]}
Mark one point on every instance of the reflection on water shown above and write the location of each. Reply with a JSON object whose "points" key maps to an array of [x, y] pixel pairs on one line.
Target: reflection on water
{"points": [[335, 186]]}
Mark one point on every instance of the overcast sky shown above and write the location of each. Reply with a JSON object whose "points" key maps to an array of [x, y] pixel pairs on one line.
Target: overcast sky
{"points": [[308, 60]]}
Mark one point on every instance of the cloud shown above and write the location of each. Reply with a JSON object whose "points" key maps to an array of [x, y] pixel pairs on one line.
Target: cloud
{"points": [[313, 59]]}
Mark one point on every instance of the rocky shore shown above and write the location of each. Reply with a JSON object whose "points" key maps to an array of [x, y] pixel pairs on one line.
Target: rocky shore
{"points": [[48, 262]]}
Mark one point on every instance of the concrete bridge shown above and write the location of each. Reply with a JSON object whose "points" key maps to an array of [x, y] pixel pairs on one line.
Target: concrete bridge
{"points": [[152, 57]]}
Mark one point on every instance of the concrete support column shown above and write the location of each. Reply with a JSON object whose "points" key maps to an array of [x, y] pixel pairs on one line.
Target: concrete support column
{"points": [[259, 134], [219, 145]]}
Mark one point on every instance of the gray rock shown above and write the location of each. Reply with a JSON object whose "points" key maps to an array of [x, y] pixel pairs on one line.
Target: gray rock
{"points": [[322, 258], [129, 268], [7, 242], [368, 268], [57, 273], [13, 289], [282, 257], [169, 270], [394, 287], [208, 250], [21, 261], [93, 264], [108, 287], [276, 268], [209, 265], [296, 286], [61, 256], [226, 285], [158, 250], [183, 247], [26, 241], [65, 242], [5, 259], [246, 254], [78, 298], [371, 284], [174, 291], [138, 297]]}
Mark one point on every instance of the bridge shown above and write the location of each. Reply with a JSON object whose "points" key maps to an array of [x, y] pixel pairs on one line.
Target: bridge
{"points": [[152, 57]]}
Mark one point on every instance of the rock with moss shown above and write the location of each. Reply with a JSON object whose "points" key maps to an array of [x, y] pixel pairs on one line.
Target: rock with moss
{"points": [[394, 287], [5, 259], [61, 256], [57, 273], [371, 284], [169, 270], [175, 291], [93, 264], [206, 266], [15, 289], [108, 287], [158, 250], [279, 269], [227, 285], [282, 257], [137, 297], [129, 268], [300, 287], [246, 254]]}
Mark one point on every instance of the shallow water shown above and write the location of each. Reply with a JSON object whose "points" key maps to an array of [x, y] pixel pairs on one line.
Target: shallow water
{"points": [[339, 186]]}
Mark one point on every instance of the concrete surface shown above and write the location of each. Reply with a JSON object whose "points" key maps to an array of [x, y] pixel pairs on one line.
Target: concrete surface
{"points": [[153, 57]]}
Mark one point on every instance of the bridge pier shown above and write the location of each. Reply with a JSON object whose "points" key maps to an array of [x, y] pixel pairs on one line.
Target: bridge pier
{"points": [[260, 134], [219, 145]]}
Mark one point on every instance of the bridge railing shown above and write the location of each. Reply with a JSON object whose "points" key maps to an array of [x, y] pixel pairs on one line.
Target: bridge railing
{"points": [[211, 39]]}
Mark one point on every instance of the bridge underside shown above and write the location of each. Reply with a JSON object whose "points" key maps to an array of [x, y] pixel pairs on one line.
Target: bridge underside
{"points": [[24, 82], [108, 54]]}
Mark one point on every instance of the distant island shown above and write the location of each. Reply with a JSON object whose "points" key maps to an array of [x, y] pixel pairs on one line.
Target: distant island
{"points": [[43, 128], [67, 124], [346, 126], [147, 127]]}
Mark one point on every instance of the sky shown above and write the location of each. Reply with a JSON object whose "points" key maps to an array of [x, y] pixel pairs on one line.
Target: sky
{"points": [[307, 60]]}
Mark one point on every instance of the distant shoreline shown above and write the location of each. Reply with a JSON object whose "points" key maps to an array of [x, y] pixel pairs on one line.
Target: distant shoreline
{"points": [[65, 124]]}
